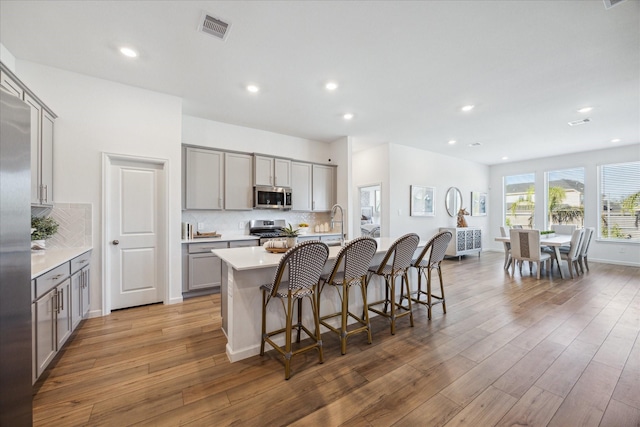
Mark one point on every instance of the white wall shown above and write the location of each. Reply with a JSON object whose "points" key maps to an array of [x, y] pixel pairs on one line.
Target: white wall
{"points": [[7, 58], [397, 167], [411, 166], [341, 152], [623, 253], [208, 133], [96, 116]]}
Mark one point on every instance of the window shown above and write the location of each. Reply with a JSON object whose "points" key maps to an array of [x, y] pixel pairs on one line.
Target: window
{"points": [[620, 201], [565, 197], [519, 202]]}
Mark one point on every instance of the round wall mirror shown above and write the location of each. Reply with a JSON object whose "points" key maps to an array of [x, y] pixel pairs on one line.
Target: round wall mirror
{"points": [[453, 201]]}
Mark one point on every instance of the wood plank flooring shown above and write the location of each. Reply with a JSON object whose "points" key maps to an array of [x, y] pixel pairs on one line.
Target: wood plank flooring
{"points": [[510, 351]]}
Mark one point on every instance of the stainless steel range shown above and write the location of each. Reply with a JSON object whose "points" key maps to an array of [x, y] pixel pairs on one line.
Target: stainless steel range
{"points": [[267, 229]]}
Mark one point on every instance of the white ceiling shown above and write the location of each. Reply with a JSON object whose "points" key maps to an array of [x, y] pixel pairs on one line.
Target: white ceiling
{"points": [[404, 68]]}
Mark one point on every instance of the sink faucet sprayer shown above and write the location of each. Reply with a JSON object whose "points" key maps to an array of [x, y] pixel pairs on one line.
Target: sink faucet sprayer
{"points": [[341, 222]]}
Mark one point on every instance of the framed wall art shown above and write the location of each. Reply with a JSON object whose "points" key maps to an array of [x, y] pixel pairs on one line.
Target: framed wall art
{"points": [[478, 203], [423, 201]]}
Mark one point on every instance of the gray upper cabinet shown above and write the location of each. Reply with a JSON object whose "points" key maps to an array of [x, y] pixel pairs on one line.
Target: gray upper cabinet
{"points": [[301, 180], [271, 171], [9, 85], [42, 122], [323, 187], [238, 188], [203, 178]]}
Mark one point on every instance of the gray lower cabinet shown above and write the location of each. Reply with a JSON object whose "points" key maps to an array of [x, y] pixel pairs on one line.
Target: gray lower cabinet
{"points": [[202, 270], [60, 301]]}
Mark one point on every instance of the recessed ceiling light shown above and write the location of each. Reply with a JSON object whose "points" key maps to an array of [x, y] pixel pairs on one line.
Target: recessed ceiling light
{"points": [[253, 88], [348, 116], [331, 86], [475, 144], [128, 52], [505, 158], [451, 141], [615, 140], [467, 108], [585, 109]]}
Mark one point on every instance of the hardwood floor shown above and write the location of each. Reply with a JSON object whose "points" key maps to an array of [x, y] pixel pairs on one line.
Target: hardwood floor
{"points": [[510, 351]]}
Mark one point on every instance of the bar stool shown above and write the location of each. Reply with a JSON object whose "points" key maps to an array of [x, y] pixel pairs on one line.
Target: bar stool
{"points": [[302, 266], [436, 248], [349, 269], [399, 255]]}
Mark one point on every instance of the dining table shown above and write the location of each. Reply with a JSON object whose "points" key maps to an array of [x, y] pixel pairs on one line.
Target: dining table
{"points": [[554, 242]]}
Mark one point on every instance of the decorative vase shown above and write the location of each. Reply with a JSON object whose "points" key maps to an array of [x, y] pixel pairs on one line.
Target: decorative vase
{"points": [[292, 241], [38, 244]]}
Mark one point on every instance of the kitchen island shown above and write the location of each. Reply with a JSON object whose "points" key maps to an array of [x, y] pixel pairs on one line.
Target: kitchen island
{"points": [[245, 269]]}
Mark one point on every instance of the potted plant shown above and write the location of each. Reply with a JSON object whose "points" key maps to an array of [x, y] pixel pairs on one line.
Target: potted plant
{"points": [[43, 228], [547, 233], [291, 234]]}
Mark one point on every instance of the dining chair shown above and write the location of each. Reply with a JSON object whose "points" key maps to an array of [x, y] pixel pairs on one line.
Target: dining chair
{"points": [[296, 278], [572, 253], [430, 259], [584, 249], [396, 262], [507, 249], [349, 270], [525, 246], [563, 228]]}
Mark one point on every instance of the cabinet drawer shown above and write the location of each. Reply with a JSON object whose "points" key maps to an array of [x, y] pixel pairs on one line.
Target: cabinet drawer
{"points": [[243, 243], [195, 248], [80, 261], [51, 279]]}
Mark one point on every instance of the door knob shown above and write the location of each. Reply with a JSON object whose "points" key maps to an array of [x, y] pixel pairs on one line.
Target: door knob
{"points": [[116, 242]]}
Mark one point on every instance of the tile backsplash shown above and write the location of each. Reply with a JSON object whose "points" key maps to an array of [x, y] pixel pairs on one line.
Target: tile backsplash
{"points": [[75, 225], [237, 222]]}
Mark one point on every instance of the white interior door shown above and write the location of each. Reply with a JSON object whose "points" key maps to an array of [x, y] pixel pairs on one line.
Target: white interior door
{"points": [[136, 221]]}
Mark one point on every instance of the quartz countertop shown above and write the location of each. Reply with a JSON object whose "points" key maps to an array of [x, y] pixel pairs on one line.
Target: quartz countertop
{"points": [[44, 260], [222, 238], [257, 256]]}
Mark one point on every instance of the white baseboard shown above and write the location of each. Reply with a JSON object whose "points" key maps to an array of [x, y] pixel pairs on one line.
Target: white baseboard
{"points": [[611, 261], [175, 300]]}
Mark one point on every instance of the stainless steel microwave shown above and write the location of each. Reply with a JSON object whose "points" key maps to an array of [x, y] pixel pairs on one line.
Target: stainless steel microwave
{"points": [[272, 198]]}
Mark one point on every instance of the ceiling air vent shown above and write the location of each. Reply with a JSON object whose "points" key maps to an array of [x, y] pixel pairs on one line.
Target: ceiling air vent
{"points": [[214, 26], [608, 4], [579, 122]]}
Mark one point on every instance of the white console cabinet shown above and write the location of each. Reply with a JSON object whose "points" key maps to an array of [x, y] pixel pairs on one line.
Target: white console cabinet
{"points": [[466, 240]]}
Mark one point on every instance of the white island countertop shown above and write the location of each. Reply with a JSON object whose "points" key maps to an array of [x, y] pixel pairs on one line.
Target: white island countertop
{"points": [[45, 260], [257, 257]]}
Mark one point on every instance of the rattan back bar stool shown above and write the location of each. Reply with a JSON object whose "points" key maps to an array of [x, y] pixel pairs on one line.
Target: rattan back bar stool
{"points": [[350, 269], [395, 264], [430, 259], [296, 278]]}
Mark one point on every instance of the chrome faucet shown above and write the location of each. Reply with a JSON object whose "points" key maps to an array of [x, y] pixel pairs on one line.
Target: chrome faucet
{"points": [[334, 209]]}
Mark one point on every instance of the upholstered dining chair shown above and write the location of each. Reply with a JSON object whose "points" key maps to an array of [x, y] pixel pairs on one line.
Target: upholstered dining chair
{"points": [[584, 250], [572, 254], [525, 246], [507, 249], [296, 278], [563, 228], [430, 259], [349, 270], [395, 264]]}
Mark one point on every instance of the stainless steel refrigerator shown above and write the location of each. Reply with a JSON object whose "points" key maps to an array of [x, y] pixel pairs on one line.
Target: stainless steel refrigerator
{"points": [[15, 263]]}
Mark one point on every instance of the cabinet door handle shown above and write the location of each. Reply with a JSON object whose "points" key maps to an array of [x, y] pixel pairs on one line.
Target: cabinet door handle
{"points": [[46, 193], [56, 302], [62, 299]]}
